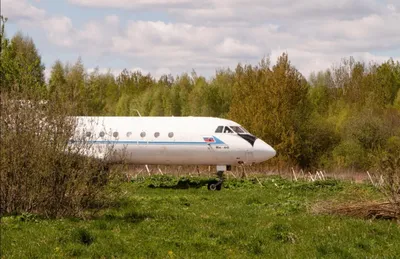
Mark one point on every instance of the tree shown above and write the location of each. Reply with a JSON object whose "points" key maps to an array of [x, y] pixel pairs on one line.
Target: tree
{"points": [[319, 93], [219, 93], [95, 92], [396, 102], [21, 68], [123, 106], [273, 104], [184, 86], [75, 87], [28, 70], [57, 81], [197, 100], [5, 61], [383, 82]]}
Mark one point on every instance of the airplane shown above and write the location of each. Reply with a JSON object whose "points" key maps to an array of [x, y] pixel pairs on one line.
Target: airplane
{"points": [[173, 141]]}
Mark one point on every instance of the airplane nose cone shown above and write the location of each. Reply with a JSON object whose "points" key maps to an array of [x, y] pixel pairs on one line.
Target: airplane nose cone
{"points": [[263, 151]]}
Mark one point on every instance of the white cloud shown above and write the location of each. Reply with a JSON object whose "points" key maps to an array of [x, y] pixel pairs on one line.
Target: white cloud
{"points": [[245, 10], [209, 34], [128, 4], [16, 10], [162, 71], [47, 74], [392, 8], [103, 70], [163, 40], [138, 69], [233, 47], [182, 46], [58, 29], [91, 32], [89, 38], [112, 19]]}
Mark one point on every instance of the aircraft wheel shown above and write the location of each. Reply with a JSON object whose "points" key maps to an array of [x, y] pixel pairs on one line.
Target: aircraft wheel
{"points": [[214, 186]]}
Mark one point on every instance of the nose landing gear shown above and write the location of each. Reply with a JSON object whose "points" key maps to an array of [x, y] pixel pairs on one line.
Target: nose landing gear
{"points": [[216, 185]]}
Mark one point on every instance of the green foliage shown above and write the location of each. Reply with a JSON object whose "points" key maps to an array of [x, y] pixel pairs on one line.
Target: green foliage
{"points": [[21, 68], [387, 83], [57, 81], [350, 154], [369, 130], [272, 103], [396, 102], [319, 94], [389, 172], [319, 139]]}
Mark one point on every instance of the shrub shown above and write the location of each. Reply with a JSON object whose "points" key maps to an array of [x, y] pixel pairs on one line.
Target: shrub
{"points": [[350, 154], [389, 171], [39, 171]]}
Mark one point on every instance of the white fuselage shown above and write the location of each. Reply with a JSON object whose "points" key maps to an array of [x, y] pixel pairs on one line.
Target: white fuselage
{"points": [[172, 140]]}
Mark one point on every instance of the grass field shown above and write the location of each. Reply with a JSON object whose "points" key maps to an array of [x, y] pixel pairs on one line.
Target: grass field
{"points": [[269, 218]]}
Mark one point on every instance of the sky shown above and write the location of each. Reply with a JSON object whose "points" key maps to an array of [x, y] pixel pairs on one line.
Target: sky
{"points": [[177, 36]]}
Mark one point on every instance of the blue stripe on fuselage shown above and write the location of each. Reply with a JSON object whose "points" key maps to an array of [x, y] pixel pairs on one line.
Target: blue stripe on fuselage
{"points": [[131, 142]]}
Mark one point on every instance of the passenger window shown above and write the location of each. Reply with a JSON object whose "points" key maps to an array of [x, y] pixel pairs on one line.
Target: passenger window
{"points": [[129, 134], [171, 134], [143, 134], [157, 134], [227, 130], [219, 129], [102, 134], [115, 134]]}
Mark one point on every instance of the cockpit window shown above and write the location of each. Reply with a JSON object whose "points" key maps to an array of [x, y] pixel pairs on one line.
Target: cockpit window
{"points": [[227, 130], [238, 129], [219, 129]]}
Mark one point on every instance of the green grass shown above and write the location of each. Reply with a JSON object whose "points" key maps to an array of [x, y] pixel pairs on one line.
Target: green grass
{"points": [[266, 219]]}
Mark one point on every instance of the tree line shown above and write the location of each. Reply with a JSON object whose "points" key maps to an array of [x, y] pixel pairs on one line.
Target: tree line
{"points": [[345, 117]]}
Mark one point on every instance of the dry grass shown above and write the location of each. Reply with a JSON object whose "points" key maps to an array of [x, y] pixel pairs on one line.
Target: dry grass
{"points": [[364, 210]]}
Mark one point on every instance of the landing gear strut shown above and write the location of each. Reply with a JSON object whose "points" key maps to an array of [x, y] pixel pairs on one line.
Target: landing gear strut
{"points": [[216, 185]]}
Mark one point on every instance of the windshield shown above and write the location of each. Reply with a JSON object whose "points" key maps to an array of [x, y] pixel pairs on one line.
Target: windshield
{"points": [[227, 130], [239, 130]]}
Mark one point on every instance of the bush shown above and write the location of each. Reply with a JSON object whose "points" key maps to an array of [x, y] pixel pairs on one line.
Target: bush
{"points": [[350, 154], [39, 171], [319, 139], [389, 173]]}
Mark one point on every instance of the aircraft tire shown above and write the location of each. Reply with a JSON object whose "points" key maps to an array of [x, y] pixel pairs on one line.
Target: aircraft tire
{"points": [[214, 186]]}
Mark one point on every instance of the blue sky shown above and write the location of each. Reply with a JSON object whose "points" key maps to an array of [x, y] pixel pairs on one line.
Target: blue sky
{"points": [[176, 36]]}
